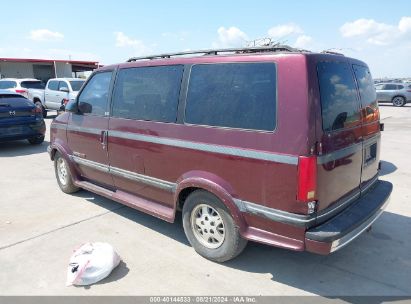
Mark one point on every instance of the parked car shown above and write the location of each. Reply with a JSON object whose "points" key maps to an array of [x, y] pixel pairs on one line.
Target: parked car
{"points": [[396, 93], [57, 93], [21, 86], [272, 145], [20, 119]]}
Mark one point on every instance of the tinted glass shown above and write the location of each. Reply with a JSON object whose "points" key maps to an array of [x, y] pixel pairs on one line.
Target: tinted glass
{"points": [[10, 102], [339, 103], [365, 84], [235, 95], [379, 86], [400, 87], [7, 84], [148, 93], [63, 85], [367, 92], [76, 85], [32, 85], [94, 97], [53, 85], [389, 87]]}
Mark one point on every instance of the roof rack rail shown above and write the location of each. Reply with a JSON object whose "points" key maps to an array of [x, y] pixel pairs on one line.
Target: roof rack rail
{"points": [[246, 50], [332, 53]]}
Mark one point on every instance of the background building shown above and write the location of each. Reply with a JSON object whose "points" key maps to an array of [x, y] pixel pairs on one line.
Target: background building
{"points": [[44, 69]]}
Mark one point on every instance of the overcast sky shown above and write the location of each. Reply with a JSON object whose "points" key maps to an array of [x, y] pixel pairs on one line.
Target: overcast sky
{"points": [[378, 32]]}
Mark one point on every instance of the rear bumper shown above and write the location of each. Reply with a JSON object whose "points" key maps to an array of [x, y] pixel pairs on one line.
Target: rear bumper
{"points": [[350, 223], [22, 131]]}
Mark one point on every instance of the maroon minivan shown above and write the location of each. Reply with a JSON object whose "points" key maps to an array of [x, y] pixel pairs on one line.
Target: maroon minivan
{"points": [[272, 145]]}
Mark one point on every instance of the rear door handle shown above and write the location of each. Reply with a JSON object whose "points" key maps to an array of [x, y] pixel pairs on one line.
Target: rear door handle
{"points": [[103, 139]]}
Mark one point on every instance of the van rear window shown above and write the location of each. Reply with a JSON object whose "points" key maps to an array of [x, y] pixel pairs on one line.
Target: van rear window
{"points": [[233, 95], [339, 101], [368, 94]]}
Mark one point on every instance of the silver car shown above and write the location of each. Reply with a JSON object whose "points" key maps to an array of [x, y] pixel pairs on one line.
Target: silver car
{"points": [[396, 93]]}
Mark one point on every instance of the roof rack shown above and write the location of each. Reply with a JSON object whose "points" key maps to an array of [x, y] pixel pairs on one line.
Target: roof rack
{"points": [[247, 50], [332, 53]]}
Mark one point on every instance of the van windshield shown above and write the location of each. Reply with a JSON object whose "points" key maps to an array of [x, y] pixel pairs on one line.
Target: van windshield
{"points": [[339, 102]]}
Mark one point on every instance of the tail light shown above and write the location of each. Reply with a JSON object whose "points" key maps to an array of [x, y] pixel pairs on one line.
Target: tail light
{"points": [[307, 178], [21, 91], [36, 111], [65, 101]]}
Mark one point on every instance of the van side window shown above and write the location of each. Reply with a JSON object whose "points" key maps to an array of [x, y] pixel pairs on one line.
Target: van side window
{"points": [[339, 102], [94, 97], [148, 93], [234, 95]]}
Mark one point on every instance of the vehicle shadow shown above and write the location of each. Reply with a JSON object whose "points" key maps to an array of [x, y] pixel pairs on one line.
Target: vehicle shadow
{"points": [[173, 230], [21, 148], [387, 168], [377, 263], [388, 104]]}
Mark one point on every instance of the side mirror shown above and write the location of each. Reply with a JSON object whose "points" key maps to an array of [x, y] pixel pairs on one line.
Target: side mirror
{"points": [[71, 106], [64, 89], [84, 107]]}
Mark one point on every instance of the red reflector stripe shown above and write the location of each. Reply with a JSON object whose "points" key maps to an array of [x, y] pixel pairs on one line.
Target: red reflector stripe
{"points": [[307, 178]]}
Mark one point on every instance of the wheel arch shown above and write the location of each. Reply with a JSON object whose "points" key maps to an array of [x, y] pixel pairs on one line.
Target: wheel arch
{"points": [[200, 180], [57, 147]]}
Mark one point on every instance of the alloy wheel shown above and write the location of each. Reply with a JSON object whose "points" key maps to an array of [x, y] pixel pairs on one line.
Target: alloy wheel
{"points": [[208, 226]]}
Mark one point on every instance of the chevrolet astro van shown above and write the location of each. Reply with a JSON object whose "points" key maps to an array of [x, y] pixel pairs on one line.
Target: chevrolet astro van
{"points": [[268, 144]]}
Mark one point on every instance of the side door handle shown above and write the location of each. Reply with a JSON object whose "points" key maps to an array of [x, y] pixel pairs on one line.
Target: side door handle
{"points": [[103, 139]]}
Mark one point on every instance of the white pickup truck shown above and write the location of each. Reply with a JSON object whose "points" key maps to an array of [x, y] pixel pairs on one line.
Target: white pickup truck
{"points": [[57, 93]]}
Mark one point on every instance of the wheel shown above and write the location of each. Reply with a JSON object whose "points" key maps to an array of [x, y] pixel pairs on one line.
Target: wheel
{"points": [[398, 101], [36, 140], [210, 228], [40, 106], [63, 175]]}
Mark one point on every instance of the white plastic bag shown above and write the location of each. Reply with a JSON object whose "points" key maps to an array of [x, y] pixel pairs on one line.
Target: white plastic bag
{"points": [[90, 263]]}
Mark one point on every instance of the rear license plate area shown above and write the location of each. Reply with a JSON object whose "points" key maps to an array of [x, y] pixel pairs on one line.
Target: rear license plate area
{"points": [[370, 154]]}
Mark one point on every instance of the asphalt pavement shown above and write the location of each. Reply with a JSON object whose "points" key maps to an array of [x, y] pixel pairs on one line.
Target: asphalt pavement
{"points": [[40, 226]]}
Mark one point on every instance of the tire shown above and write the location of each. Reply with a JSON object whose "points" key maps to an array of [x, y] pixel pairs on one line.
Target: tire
{"points": [[36, 140], [40, 106], [65, 183], [217, 238], [398, 101]]}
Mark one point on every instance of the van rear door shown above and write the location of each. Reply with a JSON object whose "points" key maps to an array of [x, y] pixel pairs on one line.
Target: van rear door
{"points": [[370, 126], [341, 140]]}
